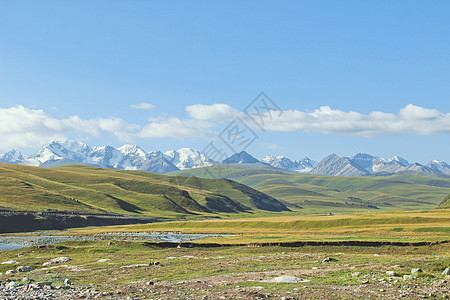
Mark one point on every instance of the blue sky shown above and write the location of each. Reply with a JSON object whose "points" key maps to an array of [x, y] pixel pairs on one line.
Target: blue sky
{"points": [[349, 76]]}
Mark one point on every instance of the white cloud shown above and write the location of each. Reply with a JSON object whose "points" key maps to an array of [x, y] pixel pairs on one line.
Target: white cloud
{"points": [[122, 130], [410, 120], [142, 105], [216, 112], [175, 128], [21, 127]]}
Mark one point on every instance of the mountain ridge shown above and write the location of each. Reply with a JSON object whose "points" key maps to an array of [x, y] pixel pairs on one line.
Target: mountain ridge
{"points": [[133, 157]]}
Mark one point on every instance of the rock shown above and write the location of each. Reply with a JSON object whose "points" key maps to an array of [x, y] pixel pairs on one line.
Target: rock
{"points": [[10, 285], [365, 282], [103, 260], [149, 283], [24, 269], [156, 263], [287, 279], [25, 280], [57, 260], [10, 262], [356, 274], [391, 273], [9, 272], [446, 272], [416, 271], [43, 284], [67, 281], [408, 277], [329, 259]]}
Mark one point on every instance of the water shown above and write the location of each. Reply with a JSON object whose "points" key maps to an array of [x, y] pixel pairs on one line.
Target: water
{"points": [[168, 237], [16, 242], [4, 247]]}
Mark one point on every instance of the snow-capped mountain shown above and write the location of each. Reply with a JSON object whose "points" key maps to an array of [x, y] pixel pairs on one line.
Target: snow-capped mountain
{"points": [[439, 166], [187, 158], [363, 164], [133, 157], [282, 162], [57, 151], [333, 165], [240, 158], [374, 165], [12, 157], [127, 157]]}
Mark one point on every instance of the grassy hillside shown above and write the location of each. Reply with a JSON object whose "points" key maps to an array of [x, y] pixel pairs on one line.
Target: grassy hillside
{"points": [[321, 194], [90, 189], [446, 202]]}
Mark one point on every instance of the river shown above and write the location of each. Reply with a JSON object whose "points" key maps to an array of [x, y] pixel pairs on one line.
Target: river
{"points": [[19, 241]]}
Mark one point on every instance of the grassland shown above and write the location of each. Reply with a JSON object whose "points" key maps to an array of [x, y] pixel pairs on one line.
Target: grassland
{"points": [[446, 202], [89, 189], [121, 269], [394, 226], [323, 194]]}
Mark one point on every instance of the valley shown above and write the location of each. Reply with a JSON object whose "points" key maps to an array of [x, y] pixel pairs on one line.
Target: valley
{"points": [[276, 234]]}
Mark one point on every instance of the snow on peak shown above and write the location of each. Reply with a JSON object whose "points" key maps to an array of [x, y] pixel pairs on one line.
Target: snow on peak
{"points": [[186, 158], [13, 156], [400, 160]]}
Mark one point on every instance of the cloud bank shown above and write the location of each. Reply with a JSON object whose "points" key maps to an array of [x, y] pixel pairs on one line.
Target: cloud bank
{"points": [[21, 127], [411, 119]]}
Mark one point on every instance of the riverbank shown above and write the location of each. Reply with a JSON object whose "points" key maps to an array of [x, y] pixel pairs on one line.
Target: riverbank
{"points": [[44, 238]]}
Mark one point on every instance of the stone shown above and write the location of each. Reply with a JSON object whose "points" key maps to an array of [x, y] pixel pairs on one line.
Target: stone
{"points": [[416, 271], [408, 277], [10, 285], [149, 283], [446, 272], [329, 259], [391, 273], [24, 269], [9, 272], [43, 284], [356, 274], [103, 260], [57, 260], [10, 262], [287, 279], [67, 281]]}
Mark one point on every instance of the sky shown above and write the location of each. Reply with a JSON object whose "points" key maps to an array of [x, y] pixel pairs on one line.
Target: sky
{"points": [[293, 78]]}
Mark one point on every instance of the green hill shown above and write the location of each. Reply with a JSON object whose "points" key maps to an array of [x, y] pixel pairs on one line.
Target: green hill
{"points": [[445, 203], [90, 189], [316, 193]]}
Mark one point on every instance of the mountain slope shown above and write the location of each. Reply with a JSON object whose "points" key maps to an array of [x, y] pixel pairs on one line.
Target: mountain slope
{"points": [[322, 194], [90, 189], [445, 203], [333, 165], [439, 167]]}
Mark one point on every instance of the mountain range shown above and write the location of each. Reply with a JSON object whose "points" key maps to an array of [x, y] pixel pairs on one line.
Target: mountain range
{"points": [[133, 157]]}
